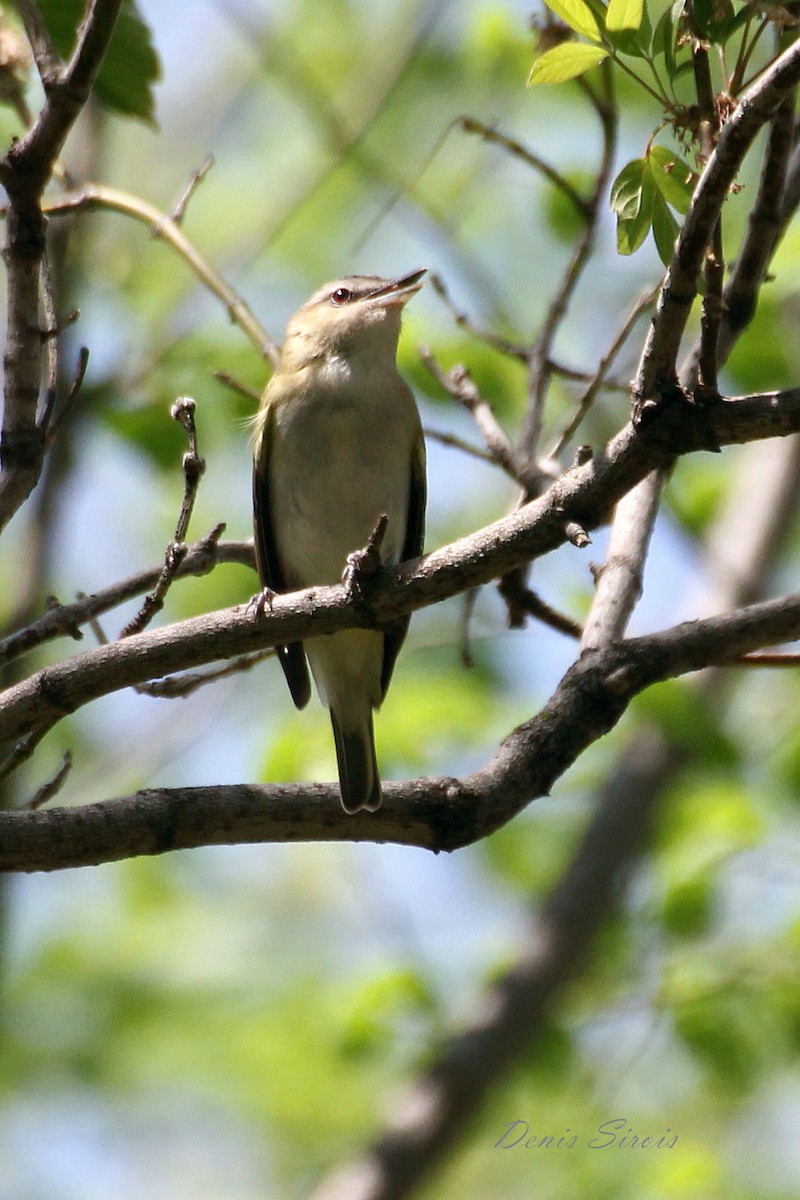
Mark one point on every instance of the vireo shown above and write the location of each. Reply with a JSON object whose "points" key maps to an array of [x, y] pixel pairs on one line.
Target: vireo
{"points": [[338, 444]]}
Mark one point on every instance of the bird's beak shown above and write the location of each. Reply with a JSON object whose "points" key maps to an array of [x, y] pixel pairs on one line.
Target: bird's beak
{"points": [[398, 291]]}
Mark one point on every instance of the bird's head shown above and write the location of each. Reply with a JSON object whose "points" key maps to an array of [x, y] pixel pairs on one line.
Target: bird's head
{"points": [[349, 316]]}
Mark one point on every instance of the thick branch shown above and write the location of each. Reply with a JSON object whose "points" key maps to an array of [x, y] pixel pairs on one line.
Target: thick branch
{"points": [[584, 495], [24, 172], [437, 813]]}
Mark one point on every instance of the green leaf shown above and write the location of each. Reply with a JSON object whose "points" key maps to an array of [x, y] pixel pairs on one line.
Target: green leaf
{"points": [[624, 15], [564, 62], [664, 40], [674, 178], [125, 80], [632, 200], [665, 229], [577, 15], [626, 188]]}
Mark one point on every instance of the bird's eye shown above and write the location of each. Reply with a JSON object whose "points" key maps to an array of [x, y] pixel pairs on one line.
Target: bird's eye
{"points": [[341, 295]]}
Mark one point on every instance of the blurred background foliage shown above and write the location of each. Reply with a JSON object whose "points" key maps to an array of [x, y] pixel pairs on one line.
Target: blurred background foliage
{"points": [[233, 1022]]}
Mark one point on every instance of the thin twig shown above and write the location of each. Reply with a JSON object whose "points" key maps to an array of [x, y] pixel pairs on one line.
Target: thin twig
{"points": [[714, 265], [490, 134], [174, 687], [235, 386], [619, 580], [467, 613], [766, 223], [451, 439], [48, 63], [540, 355], [56, 420], [657, 368], [50, 789], [182, 411], [598, 380], [97, 196], [522, 601], [458, 384], [178, 210], [25, 171], [65, 620], [501, 344]]}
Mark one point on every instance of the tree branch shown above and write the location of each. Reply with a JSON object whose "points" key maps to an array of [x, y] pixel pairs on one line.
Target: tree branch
{"points": [[584, 495], [24, 172], [657, 366], [438, 813], [92, 196]]}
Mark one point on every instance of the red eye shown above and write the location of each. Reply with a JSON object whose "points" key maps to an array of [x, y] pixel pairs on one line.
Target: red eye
{"points": [[341, 296]]}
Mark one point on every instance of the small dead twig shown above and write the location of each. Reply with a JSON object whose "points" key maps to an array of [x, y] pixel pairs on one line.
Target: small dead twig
{"points": [[598, 380], [451, 439], [52, 418], [53, 786], [467, 610], [458, 384], [178, 210], [174, 687], [501, 344], [523, 602], [540, 354], [235, 386], [489, 134], [182, 411], [64, 620]]}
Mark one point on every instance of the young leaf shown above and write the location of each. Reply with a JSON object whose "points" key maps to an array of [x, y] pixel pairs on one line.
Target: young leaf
{"points": [[632, 200], [633, 42], [564, 62], [674, 179], [665, 229], [626, 188], [624, 15], [664, 40], [577, 15]]}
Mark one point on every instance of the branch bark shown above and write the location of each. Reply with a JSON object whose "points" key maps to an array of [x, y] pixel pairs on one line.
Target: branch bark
{"points": [[438, 813], [757, 106], [24, 173], [584, 495]]}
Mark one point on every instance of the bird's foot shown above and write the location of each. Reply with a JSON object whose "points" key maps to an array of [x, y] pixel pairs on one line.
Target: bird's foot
{"points": [[363, 565], [259, 605]]}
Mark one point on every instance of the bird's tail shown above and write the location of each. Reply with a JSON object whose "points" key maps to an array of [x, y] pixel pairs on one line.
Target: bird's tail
{"points": [[359, 782]]}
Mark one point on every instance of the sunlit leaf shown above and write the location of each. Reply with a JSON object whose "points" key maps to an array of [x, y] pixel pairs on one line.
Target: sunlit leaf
{"points": [[564, 62], [577, 15], [632, 200], [624, 15], [673, 177], [635, 42]]}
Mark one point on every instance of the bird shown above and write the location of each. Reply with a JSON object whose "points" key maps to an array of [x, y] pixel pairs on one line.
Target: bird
{"points": [[338, 446]]}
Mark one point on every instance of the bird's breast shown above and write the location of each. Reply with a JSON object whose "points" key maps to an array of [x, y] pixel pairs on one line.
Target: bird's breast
{"points": [[342, 458]]}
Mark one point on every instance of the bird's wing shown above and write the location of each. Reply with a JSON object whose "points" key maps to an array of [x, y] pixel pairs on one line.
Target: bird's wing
{"points": [[412, 548], [291, 656]]}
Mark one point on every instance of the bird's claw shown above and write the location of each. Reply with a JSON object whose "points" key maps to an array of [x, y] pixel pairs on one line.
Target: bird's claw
{"points": [[365, 564], [260, 604]]}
